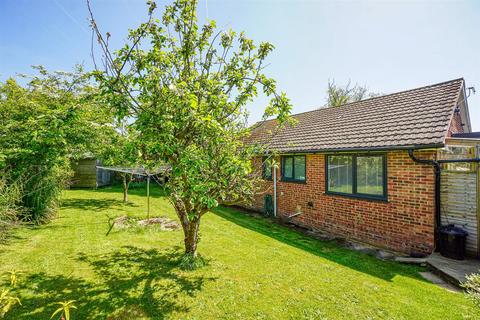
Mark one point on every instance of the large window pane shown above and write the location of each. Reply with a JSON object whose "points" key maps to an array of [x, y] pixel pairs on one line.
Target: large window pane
{"points": [[299, 164], [288, 167], [370, 178], [340, 174]]}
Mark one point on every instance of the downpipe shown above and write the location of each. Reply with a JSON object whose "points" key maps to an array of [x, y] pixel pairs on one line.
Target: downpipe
{"points": [[437, 169], [275, 191]]}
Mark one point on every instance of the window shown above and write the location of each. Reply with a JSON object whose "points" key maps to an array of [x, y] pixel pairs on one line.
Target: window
{"points": [[340, 174], [370, 175], [357, 175], [267, 168], [293, 168]]}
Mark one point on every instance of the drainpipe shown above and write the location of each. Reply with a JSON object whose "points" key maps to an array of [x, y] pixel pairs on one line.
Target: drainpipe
{"points": [[274, 190], [437, 168]]}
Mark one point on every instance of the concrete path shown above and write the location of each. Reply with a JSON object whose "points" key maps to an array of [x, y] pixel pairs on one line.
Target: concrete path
{"points": [[433, 278], [454, 271]]}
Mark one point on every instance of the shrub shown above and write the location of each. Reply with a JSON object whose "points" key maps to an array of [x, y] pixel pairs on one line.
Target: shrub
{"points": [[44, 124], [472, 287]]}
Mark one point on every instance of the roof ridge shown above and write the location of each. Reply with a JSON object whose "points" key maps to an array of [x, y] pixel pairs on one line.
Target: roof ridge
{"points": [[404, 91], [372, 98]]}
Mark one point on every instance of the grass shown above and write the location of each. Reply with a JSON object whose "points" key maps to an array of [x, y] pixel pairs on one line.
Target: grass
{"points": [[255, 270]]}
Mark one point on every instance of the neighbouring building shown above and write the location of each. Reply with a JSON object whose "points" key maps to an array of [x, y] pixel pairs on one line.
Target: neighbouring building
{"points": [[358, 171]]}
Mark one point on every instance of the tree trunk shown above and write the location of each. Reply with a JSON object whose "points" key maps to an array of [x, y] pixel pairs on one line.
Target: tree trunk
{"points": [[126, 183], [191, 237], [190, 227]]}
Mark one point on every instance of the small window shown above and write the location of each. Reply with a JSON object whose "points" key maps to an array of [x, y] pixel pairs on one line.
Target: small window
{"points": [[267, 168], [357, 175], [294, 168]]}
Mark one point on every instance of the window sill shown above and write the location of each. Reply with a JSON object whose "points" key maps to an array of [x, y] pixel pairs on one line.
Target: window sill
{"points": [[357, 196]]}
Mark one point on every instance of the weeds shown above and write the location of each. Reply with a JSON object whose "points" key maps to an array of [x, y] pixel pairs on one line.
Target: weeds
{"points": [[7, 300], [189, 262], [64, 310]]}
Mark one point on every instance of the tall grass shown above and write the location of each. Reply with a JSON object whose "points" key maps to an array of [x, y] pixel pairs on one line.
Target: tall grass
{"points": [[30, 195], [41, 192], [10, 202]]}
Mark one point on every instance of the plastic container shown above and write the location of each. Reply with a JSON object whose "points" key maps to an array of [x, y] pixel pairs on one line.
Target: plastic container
{"points": [[452, 242]]}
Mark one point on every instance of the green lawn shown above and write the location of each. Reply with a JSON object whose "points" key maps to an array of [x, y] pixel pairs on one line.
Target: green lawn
{"points": [[256, 270]]}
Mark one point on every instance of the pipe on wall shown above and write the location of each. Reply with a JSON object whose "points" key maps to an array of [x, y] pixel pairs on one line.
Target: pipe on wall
{"points": [[274, 191], [438, 170]]}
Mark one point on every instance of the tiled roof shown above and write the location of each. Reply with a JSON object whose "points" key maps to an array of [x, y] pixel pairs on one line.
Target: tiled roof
{"points": [[414, 118]]}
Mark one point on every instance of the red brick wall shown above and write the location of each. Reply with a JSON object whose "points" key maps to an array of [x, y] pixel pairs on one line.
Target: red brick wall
{"points": [[404, 223], [455, 124]]}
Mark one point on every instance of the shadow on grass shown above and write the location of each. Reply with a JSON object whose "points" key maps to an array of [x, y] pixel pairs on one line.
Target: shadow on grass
{"points": [[140, 189], [94, 204], [8, 235], [329, 250], [131, 283]]}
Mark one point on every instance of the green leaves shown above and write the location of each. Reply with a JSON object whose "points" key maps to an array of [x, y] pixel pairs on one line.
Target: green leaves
{"points": [[13, 275], [341, 95], [7, 301], [54, 118], [264, 50], [152, 5], [64, 310], [184, 91]]}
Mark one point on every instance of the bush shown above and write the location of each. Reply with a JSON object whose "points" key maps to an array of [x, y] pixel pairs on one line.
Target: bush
{"points": [[44, 124], [472, 287]]}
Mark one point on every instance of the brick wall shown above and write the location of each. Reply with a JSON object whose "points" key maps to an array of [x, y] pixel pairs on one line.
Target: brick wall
{"points": [[404, 223], [455, 124]]}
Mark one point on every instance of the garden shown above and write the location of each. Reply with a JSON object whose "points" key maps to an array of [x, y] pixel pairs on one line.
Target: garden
{"points": [[254, 269], [174, 96]]}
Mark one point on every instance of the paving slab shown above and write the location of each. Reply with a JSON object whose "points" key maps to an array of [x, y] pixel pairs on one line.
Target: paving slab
{"points": [[433, 278], [454, 271]]}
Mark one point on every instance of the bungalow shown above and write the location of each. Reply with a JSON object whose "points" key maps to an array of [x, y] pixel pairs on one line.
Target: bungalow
{"points": [[371, 170]]}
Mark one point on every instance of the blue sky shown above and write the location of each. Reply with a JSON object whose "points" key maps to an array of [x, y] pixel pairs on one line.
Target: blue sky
{"points": [[386, 45]]}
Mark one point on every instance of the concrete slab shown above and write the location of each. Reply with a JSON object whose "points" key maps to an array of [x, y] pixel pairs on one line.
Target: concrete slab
{"points": [[454, 271], [439, 281], [410, 260]]}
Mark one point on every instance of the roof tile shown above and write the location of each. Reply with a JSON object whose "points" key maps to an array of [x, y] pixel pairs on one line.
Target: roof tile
{"points": [[405, 119]]}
